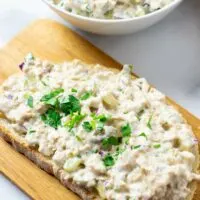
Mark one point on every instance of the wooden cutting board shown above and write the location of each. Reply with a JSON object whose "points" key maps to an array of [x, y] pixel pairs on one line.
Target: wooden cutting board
{"points": [[52, 41]]}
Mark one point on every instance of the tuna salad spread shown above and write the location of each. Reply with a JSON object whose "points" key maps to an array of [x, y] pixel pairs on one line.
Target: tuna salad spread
{"points": [[111, 9], [107, 130]]}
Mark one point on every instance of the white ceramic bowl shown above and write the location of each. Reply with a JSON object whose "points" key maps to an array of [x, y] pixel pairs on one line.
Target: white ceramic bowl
{"points": [[114, 26]]}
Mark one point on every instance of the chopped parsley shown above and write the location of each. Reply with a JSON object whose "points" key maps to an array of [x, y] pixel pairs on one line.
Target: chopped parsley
{"points": [[100, 121], [50, 98], [143, 135], [75, 120], [70, 105], [149, 122], [60, 105], [111, 141], [30, 101], [126, 140], [86, 96], [52, 118], [108, 160], [136, 147], [118, 152], [156, 146], [87, 126], [101, 117], [74, 90], [31, 131], [126, 130]]}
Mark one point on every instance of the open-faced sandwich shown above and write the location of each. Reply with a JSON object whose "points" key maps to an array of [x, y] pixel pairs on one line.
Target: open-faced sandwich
{"points": [[102, 133]]}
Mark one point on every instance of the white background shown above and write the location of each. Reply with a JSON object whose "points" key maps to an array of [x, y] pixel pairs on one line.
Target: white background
{"points": [[167, 54]]}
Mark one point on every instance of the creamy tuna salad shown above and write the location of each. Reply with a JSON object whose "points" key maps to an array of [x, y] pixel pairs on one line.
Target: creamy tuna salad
{"points": [[107, 130], [111, 9]]}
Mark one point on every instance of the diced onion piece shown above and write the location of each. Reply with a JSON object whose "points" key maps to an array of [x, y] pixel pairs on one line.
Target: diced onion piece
{"points": [[110, 100], [72, 164], [101, 190]]}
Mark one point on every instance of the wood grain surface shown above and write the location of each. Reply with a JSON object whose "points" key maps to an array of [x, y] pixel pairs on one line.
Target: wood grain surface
{"points": [[51, 41]]}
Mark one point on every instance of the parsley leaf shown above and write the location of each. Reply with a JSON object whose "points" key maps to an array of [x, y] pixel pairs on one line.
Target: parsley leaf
{"points": [[51, 97], [156, 146], [74, 90], [143, 135], [108, 160], [126, 130], [30, 101], [87, 126], [31, 131], [149, 122], [118, 152], [75, 119], [70, 105], [101, 120], [111, 141], [136, 147], [51, 118], [86, 96]]}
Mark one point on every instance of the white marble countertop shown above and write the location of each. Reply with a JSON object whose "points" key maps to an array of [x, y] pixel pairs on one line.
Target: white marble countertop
{"points": [[167, 54]]}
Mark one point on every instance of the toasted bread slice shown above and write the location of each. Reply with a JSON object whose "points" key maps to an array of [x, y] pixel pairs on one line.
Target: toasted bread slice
{"points": [[19, 144]]}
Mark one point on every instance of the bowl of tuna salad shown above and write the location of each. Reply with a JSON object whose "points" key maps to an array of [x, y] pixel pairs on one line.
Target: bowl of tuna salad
{"points": [[112, 17]]}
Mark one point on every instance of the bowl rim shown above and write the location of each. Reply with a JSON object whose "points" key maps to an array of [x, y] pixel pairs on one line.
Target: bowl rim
{"points": [[90, 19]]}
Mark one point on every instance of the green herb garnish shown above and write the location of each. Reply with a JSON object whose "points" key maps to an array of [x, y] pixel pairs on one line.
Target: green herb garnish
{"points": [[30, 101], [75, 120], [51, 98], [136, 147], [101, 118], [126, 130], [143, 135], [149, 122], [118, 152], [87, 126], [51, 118], [74, 90], [111, 141], [108, 160], [100, 121], [156, 146], [31, 131], [86, 96], [70, 105]]}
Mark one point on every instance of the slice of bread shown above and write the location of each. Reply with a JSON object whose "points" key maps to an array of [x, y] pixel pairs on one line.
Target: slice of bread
{"points": [[45, 163]]}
